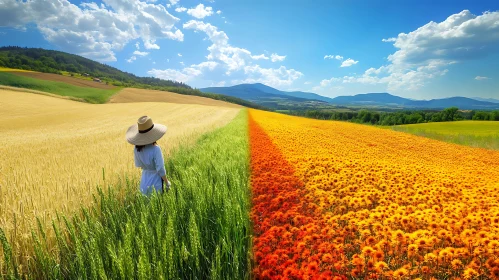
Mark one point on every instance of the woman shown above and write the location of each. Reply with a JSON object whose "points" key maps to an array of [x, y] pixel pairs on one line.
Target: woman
{"points": [[148, 154]]}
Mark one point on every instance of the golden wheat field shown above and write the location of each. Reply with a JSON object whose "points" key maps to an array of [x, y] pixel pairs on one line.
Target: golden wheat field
{"points": [[55, 152]]}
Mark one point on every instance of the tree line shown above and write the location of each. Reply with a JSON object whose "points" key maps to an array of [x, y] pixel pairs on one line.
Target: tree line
{"points": [[400, 117]]}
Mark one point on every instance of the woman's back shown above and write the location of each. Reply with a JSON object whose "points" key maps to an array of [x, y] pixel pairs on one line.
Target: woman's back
{"points": [[147, 154], [150, 159], [145, 159]]}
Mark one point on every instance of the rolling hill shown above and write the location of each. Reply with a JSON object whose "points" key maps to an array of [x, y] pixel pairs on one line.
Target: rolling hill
{"points": [[486, 99], [265, 95], [460, 102], [262, 94], [387, 99], [298, 94], [48, 65], [371, 99], [49, 61]]}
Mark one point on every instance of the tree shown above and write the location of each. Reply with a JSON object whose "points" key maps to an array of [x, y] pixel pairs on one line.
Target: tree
{"points": [[449, 113]]}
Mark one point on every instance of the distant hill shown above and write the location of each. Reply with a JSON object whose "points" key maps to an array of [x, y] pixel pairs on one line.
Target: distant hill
{"points": [[486, 99], [460, 102], [264, 95], [387, 99], [299, 94], [371, 99], [49, 61]]}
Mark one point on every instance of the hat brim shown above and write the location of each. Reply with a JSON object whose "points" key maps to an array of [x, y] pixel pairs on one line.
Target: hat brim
{"points": [[140, 139]]}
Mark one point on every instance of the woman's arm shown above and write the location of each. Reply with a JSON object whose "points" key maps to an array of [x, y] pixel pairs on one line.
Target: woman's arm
{"points": [[160, 164], [138, 163]]}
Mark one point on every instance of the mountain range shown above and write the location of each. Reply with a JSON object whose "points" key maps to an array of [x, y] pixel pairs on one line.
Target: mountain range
{"points": [[262, 94], [486, 99]]}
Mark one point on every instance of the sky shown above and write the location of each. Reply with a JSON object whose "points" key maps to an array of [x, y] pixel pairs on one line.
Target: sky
{"points": [[415, 49]]}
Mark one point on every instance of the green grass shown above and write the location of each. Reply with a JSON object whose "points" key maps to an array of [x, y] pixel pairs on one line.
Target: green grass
{"points": [[200, 229], [91, 95], [482, 134]]}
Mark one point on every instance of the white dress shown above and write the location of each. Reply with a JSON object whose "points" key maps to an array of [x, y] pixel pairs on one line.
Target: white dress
{"points": [[150, 159]]}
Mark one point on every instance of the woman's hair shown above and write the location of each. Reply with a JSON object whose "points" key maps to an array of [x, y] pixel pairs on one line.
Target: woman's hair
{"points": [[140, 147]]}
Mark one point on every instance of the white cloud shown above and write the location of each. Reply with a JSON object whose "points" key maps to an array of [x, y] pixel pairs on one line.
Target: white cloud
{"points": [[481, 78], [180, 9], [137, 46], [425, 53], [232, 60], [174, 2], [91, 30], [200, 11], [140, 53], [131, 59], [275, 57], [150, 45], [219, 84], [186, 74], [325, 83], [274, 77], [219, 12], [182, 63], [235, 58], [462, 36], [179, 54], [332, 56], [409, 80], [169, 74], [261, 56], [348, 62], [210, 65], [389, 40]]}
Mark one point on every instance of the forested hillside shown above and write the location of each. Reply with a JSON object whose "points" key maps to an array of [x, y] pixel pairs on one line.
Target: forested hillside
{"points": [[49, 61]]}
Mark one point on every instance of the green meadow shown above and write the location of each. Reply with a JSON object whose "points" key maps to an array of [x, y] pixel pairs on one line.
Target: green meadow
{"points": [[91, 95], [481, 134]]}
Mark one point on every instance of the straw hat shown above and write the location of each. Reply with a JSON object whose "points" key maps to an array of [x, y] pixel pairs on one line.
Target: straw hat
{"points": [[145, 132]]}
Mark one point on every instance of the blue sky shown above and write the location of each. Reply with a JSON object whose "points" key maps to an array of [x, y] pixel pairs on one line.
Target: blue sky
{"points": [[415, 49]]}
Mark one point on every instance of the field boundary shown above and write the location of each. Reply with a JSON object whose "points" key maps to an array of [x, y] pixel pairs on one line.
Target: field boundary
{"points": [[2, 87]]}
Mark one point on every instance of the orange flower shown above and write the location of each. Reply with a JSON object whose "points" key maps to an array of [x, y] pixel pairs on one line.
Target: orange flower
{"points": [[470, 273], [400, 273], [321, 190], [368, 250], [381, 266], [378, 255], [494, 273], [327, 258], [456, 264], [412, 249]]}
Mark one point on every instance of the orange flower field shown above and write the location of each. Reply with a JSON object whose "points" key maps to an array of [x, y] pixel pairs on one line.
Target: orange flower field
{"points": [[335, 200]]}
